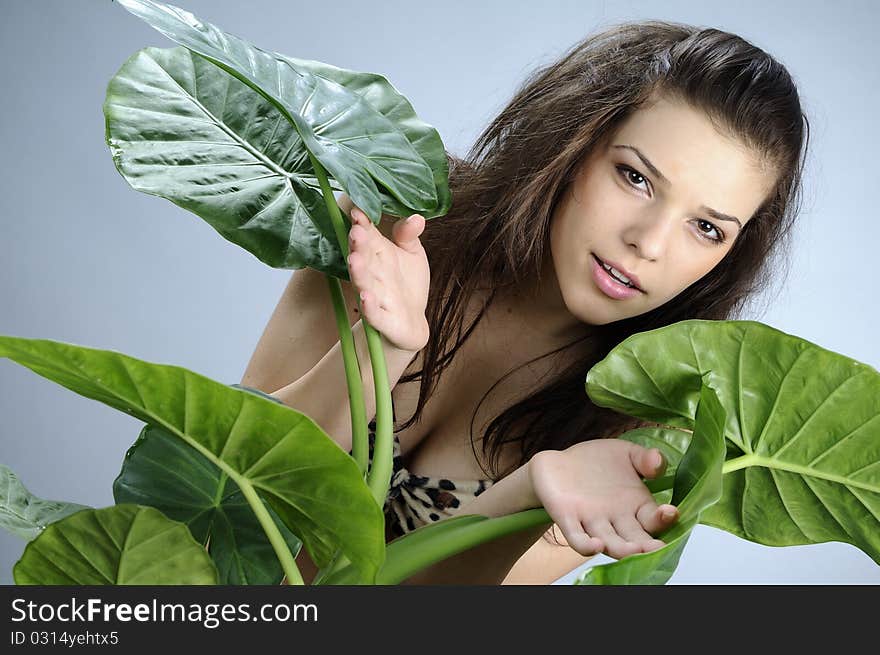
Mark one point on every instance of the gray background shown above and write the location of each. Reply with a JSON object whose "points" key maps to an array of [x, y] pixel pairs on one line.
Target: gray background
{"points": [[87, 260]]}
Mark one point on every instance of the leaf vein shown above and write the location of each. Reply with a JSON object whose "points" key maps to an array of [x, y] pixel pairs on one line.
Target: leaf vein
{"points": [[841, 440], [781, 384], [813, 413]]}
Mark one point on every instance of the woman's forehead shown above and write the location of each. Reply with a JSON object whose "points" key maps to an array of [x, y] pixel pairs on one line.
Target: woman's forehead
{"points": [[670, 127]]}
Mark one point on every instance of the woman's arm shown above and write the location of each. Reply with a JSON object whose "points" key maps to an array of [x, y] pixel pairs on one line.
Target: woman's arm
{"points": [[322, 393], [301, 330], [545, 562], [594, 491], [490, 563]]}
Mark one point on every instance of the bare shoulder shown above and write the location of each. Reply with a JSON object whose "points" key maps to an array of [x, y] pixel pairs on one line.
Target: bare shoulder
{"points": [[545, 562]]}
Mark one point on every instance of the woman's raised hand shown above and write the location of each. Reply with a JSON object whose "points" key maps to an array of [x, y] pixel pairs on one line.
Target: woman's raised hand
{"points": [[594, 492], [392, 278]]}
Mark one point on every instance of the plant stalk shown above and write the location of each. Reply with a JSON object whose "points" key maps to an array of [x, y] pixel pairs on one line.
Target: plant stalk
{"points": [[400, 566], [282, 552], [359, 444], [357, 409], [432, 543], [379, 474]]}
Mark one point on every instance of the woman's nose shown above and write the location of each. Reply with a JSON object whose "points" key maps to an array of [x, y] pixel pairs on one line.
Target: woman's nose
{"points": [[650, 233]]}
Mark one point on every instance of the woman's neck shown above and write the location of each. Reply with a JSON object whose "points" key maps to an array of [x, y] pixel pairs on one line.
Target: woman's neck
{"points": [[527, 322], [538, 310]]}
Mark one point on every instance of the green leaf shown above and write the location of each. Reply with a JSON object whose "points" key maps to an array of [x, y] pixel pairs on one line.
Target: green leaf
{"points": [[120, 545], [22, 513], [164, 472], [314, 486], [654, 568], [379, 93], [803, 425], [360, 147], [698, 485], [183, 129]]}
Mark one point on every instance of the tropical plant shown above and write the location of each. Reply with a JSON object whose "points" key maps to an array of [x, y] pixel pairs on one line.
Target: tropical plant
{"points": [[768, 436]]}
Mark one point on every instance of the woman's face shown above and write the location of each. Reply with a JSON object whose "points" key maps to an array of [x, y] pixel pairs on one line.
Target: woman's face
{"points": [[665, 200]]}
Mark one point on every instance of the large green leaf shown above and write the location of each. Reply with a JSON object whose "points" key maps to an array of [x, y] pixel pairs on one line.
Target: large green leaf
{"points": [[181, 128], [120, 545], [803, 425], [314, 486], [360, 147], [22, 513], [379, 93], [164, 472], [697, 486]]}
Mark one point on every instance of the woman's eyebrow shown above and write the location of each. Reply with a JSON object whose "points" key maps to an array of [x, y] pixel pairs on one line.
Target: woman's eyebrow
{"points": [[654, 171]]}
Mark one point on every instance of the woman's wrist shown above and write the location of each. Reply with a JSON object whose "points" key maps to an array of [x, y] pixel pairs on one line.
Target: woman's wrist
{"points": [[530, 497], [509, 495], [392, 350]]}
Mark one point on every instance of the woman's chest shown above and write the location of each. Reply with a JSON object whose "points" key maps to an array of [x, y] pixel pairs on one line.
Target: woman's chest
{"points": [[481, 382]]}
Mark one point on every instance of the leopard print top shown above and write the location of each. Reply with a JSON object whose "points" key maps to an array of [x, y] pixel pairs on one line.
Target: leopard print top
{"points": [[416, 500], [413, 500]]}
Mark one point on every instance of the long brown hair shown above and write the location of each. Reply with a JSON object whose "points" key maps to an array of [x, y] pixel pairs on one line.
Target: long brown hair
{"points": [[506, 189]]}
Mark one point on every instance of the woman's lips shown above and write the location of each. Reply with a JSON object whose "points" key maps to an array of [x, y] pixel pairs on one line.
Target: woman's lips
{"points": [[620, 269], [608, 284]]}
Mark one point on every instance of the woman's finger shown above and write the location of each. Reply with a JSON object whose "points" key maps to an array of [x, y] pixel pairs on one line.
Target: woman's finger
{"points": [[630, 529], [656, 518], [633, 532], [356, 216], [615, 545], [584, 543]]}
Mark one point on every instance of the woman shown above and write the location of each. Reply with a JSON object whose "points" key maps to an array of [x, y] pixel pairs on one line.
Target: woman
{"points": [[647, 177]]}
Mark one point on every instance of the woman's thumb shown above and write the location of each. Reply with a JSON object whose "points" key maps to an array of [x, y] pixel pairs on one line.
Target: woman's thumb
{"points": [[406, 231]]}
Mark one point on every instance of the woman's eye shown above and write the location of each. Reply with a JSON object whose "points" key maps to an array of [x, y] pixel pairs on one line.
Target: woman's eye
{"points": [[633, 177], [707, 229]]}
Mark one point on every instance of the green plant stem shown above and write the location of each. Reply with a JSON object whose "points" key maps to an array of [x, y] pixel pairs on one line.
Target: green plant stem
{"points": [[288, 564], [359, 443], [379, 474], [399, 567], [221, 485], [357, 409], [432, 543], [379, 477]]}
